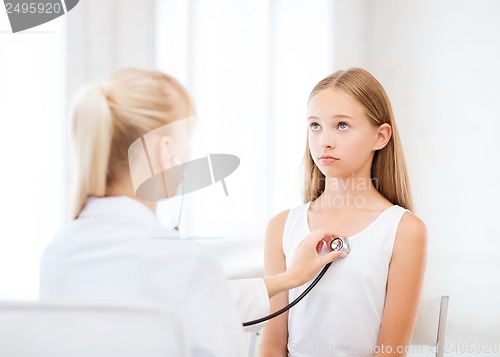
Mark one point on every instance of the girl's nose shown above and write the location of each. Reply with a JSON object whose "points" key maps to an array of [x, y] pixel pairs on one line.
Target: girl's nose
{"points": [[327, 140]]}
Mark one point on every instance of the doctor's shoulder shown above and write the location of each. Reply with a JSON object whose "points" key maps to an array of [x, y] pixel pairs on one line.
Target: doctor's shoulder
{"points": [[69, 230]]}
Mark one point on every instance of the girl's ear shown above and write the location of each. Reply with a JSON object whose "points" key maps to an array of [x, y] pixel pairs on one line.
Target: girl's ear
{"points": [[383, 136]]}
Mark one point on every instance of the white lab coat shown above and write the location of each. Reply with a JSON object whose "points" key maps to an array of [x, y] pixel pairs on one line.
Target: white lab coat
{"points": [[117, 251]]}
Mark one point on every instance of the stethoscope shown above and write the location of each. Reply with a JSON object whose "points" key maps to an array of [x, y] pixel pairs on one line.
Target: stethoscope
{"points": [[152, 181], [339, 244], [152, 186]]}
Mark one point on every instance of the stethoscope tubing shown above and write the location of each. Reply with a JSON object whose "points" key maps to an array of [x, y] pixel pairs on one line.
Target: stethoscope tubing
{"points": [[293, 303], [341, 243]]}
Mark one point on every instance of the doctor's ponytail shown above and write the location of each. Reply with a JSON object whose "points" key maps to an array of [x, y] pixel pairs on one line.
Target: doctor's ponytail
{"points": [[91, 130]]}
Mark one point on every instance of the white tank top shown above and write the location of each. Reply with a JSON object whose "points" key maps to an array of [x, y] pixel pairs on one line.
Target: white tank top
{"points": [[341, 316]]}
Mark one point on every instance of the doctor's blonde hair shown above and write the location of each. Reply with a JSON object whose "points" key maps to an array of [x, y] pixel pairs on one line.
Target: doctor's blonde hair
{"points": [[388, 170], [108, 117]]}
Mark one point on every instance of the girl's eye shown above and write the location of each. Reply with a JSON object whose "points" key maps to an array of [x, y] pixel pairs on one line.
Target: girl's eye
{"points": [[343, 126], [314, 126]]}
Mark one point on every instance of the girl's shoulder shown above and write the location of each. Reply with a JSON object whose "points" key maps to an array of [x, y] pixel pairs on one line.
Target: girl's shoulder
{"points": [[278, 221], [410, 222], [411, 233]]}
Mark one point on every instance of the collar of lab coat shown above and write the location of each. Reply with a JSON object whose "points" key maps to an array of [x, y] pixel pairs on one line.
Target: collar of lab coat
{"points": [[125, 209]]}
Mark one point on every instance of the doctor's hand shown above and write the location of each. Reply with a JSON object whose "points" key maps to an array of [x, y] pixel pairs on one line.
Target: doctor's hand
{"points": [[306, 262]]}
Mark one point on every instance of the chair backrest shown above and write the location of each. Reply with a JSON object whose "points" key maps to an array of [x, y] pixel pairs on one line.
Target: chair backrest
{"points": [[430, 329], [29, 329]]}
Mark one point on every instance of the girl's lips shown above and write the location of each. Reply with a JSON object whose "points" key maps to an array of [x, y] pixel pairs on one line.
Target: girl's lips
{"points": [[327, 159]]}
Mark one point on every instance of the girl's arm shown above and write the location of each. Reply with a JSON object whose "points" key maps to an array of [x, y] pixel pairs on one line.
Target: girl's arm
{"points": [[404, 287], [275, 334]]}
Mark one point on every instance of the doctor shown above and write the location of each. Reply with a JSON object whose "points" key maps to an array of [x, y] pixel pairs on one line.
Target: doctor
{"points": [[115, 249]]}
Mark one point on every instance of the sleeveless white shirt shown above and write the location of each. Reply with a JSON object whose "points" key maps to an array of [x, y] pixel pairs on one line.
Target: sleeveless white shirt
{"points": [[341, 316]]}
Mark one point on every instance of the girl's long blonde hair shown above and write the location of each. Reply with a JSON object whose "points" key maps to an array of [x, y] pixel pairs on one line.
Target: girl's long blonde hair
{"points": [[388, 169], [108, 117]]}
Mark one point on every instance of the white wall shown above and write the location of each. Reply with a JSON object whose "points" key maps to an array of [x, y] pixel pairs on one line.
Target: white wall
{"points": [[105, 35], [250, 66], [439, 62], [40, 70], [31, 151]]}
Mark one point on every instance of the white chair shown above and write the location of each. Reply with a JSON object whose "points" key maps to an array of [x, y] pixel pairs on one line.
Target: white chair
{"points": [[40, 329], [430, 329]]}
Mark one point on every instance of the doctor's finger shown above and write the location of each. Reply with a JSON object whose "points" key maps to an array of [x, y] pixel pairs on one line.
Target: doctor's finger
{"points": [[332, 256], [321, 234], [320, 245]]}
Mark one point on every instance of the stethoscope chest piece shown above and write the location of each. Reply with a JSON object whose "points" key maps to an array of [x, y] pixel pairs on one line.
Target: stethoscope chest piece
{"points": [[340, 244]]}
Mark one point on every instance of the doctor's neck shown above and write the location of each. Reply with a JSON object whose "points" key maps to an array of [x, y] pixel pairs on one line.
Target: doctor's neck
{"points": [[124, 187]]}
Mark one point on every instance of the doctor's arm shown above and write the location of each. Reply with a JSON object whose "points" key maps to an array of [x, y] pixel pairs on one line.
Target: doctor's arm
{"points": [[404, 287]]}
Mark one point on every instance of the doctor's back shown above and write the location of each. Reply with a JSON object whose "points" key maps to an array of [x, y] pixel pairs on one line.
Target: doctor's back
{"points": [[116, 252]]}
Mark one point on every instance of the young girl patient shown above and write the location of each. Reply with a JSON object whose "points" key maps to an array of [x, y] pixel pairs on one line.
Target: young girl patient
{"points": [[356, 185]]}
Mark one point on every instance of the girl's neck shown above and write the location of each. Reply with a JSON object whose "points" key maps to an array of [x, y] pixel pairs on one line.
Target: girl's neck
{"points": [[351, 192]]}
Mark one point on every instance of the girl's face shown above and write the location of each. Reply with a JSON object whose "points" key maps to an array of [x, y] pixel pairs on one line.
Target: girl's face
{"points": [[341, 138]]}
